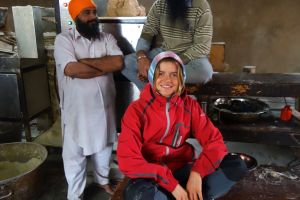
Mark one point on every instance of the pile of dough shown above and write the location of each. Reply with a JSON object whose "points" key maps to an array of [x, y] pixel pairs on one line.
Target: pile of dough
{"points": [[125, 8]]}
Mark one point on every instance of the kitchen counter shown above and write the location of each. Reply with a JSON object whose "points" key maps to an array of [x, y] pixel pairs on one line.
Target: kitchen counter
{"points": [[254, 85], [243, 84]]}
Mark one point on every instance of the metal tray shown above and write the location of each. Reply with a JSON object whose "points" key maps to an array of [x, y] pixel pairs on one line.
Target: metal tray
{"points": [[240, 109]]}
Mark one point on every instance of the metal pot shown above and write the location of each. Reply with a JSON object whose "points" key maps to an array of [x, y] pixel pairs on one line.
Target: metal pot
{"points": [[240, 109], [250, 161], [27, 184]]}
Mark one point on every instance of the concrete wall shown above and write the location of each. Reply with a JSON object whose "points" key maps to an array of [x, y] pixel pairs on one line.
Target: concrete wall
{"points": [[264, 33]]}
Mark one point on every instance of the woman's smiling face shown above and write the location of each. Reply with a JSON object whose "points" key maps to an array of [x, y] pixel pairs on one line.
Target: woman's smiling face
{"points": [[167, 82]]}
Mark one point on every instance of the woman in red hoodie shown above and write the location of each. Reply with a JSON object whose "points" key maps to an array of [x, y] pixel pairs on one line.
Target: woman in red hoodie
{"points": [[153, 150]]}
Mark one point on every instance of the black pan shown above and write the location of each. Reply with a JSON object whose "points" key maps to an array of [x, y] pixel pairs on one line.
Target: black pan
{"points": [[250, 161], [240, 109]]}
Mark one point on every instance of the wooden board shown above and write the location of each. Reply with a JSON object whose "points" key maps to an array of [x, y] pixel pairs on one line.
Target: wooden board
{"points": [[217, 57], [278, 133], [242, 84]]}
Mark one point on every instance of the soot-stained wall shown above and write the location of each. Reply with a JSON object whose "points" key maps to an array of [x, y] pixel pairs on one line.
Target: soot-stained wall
{"points": [[264, 33]]}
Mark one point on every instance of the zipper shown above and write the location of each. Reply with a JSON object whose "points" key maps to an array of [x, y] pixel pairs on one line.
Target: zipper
{"points": [[176, 135], [176, 141], [167, 151], [168, 120], [179, 141]]}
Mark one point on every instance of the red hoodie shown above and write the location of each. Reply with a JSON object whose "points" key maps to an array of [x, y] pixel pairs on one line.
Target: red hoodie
{"points": [[152, 143]]}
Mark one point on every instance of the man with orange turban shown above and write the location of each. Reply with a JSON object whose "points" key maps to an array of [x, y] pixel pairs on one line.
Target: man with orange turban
{"points": [[85, 59]]}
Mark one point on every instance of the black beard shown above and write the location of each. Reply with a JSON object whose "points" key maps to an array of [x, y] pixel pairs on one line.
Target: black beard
{"points": [[88, 29], [178, 9]]}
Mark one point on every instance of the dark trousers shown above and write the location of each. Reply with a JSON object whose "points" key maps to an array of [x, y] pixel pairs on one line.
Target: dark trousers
{"points": [[215, 185]]}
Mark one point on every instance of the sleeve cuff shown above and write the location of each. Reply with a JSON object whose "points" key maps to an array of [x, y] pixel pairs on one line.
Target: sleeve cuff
{"points": [[201, 172], [184, 58], [172, 184], [143, 44], [203, 167]]}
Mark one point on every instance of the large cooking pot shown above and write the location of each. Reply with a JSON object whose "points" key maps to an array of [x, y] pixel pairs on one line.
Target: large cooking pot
{"points": [[250, 161], [240, 109], [21, 172]]}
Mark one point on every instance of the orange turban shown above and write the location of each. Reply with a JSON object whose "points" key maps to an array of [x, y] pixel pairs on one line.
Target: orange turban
{"points": [[76, 6]]}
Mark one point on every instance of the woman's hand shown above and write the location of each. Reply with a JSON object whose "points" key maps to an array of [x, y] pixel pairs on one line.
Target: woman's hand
{"points": [[179, 193], [194, 186]]}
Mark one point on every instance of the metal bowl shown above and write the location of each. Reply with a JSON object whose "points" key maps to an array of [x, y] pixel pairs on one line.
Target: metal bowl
{"points": [[250, 161], [26, 184], [240, 109]]}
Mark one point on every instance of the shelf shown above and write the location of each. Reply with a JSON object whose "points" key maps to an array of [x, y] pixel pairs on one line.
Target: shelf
{"points": [[275, 132], [242, 84]]}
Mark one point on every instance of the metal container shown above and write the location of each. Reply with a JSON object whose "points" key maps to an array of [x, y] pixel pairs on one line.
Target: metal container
{"points": [[126, 30], [24, 90], [240, 109], [29, 36], [27, 184], [250, 161]]}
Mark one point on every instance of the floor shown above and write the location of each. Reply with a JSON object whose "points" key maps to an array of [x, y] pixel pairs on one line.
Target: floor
{"points": [[55, 187], [263, 183], [271, 180], [266, 182]]}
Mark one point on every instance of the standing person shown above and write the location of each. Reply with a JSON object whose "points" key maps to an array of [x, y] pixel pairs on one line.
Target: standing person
{"points": [[185, 27], [153, 150], [85, 59]]}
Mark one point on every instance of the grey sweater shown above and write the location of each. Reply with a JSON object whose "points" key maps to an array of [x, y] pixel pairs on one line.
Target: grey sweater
{"points": [[191, 39]]}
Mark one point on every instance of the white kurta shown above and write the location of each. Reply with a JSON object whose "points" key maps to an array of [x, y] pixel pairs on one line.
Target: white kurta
{"points": [[87, 105]]}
